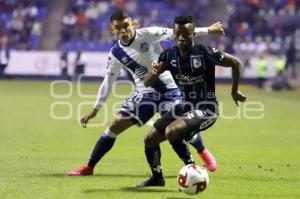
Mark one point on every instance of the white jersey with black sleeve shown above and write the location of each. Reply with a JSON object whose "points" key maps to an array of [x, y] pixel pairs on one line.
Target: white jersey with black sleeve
{"points": [[136, 57]]}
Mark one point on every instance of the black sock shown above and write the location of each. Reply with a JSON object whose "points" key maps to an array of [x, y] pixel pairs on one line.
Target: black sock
{"points": [[197, 143], [103, 145], [153, 158], [182, 150]]}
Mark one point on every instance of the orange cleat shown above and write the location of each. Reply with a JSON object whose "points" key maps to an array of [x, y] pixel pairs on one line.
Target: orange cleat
{"points": [[209, 160], [81, 171]]}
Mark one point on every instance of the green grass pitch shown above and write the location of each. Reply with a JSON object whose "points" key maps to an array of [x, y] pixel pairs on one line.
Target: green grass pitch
{"points": [[256, 158]]}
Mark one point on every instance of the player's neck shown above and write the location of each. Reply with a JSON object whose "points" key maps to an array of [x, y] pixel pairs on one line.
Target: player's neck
{"points": [[130, 40], [184, 52]]}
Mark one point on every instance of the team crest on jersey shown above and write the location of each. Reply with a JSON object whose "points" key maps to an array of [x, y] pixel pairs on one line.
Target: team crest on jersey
{"points": [[144, 47], [196, 61]]}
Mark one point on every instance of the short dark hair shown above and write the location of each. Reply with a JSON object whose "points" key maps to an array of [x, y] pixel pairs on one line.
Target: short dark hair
{"points": [[119, 15], [183, 19]]}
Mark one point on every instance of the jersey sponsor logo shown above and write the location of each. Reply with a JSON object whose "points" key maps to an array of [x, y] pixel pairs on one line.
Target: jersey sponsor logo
{"points": [[144, 47], [187, 80], [126, 61], [196, 61]]}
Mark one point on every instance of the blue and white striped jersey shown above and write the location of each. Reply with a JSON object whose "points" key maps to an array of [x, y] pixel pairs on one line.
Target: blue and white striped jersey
{"points": [[137, 57]]}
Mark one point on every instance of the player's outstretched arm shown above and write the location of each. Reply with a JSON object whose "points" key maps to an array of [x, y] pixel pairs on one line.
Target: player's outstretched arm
{"points": [[155, 71], [216, 29], [113, 71], [235, 64], [103, 93]]}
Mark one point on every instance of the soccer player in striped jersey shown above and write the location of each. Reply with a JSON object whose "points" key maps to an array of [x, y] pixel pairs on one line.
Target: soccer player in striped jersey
{"points": [[135, 50]]}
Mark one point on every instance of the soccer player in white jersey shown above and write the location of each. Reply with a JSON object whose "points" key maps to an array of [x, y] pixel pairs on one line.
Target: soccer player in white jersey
{"points": [[135, 51]]}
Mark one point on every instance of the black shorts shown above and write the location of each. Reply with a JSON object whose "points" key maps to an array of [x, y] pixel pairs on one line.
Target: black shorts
{"points": [[196, 120]]}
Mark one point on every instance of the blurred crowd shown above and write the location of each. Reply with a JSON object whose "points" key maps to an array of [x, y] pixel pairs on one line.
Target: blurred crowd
{"points": [[252, 26], [86, 24], [256, 26], [21, 22]]}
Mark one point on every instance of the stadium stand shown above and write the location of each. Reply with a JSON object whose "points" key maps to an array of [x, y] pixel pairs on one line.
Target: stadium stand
{"points": [[85, 24], [22, 22]]}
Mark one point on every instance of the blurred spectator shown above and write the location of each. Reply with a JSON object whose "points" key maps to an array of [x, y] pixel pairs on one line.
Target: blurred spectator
{"points": [[69, 21], [17, 23], [103, 7], [80, 63], [21, 21], [148, 13], [19, 12], [92, 12], [120, 4], [261, 25], [291, 59], [23, 41], [64, 62], [31, 11], [4, 55], [36, 28], [262, 67], [280, 64], [280, 82]]}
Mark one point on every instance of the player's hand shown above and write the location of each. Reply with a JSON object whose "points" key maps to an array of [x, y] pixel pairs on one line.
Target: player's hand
{"points": [[156, 68], [216, 29], [238, 97], [85, 119]]}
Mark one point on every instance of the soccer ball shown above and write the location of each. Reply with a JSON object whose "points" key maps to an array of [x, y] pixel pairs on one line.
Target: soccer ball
{"points": [[192, 179]]}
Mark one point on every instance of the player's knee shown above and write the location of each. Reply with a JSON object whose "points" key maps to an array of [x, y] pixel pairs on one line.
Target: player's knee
{"points": [[119, 125], [110, 133], [116, 128], [170, 133]]}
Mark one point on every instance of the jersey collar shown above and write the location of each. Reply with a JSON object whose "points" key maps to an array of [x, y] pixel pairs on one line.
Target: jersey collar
{"points": [[192, 50], [130, 42]]}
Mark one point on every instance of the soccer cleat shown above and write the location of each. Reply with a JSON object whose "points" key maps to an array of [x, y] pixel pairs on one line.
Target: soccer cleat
{"points": [[81, 171], [152, 182], [209, 160]]}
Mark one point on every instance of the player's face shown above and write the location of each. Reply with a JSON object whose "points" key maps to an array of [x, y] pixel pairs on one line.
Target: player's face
{"points": [[184, 35], [123, 29]]}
